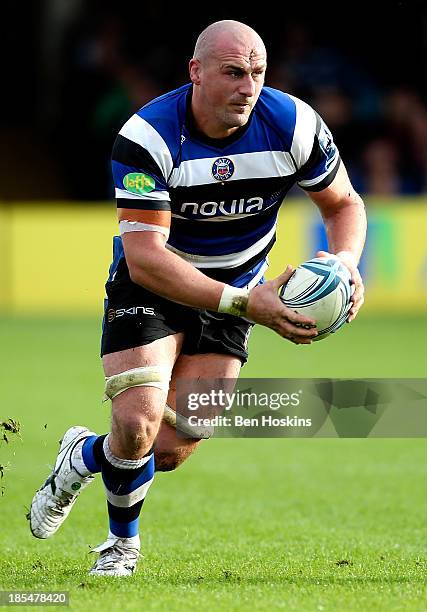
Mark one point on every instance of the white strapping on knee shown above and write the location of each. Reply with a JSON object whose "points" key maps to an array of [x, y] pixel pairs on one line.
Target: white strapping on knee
{"points": [[180, 422], [150, 376]]}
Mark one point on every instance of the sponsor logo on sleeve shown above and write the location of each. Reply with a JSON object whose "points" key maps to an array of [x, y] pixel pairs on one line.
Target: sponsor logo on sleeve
{"points": [[139, 183], [325, 139], [327, 146]]}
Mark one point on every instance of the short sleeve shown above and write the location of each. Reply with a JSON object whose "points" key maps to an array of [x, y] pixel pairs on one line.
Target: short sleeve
{"points": [[315, 154], [140, 165]]}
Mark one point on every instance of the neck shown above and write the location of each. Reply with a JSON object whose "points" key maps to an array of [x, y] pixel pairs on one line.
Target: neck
{"points": [[206, 123], [210, 128]]}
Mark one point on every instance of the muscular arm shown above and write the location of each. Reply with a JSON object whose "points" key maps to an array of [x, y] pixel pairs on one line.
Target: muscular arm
{"points": [[344, 217], [161, 271]]}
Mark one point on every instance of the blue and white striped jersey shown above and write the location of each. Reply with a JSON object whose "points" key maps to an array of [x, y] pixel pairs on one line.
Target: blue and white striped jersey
{"points": [[223, 195]]}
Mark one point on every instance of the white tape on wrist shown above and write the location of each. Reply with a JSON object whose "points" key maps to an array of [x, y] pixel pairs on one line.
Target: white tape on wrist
{"points": [[234, 301]]}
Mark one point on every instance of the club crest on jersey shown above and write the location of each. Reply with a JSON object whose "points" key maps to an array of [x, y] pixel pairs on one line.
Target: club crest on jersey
{"points": [[222, 169]]}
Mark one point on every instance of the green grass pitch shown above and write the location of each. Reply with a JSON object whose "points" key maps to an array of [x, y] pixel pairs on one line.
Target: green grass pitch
{"points": [[297, 524]]}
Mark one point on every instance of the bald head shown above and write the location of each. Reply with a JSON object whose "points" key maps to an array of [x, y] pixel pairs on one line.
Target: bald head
{"points": [[227, 73], [228, 34]]}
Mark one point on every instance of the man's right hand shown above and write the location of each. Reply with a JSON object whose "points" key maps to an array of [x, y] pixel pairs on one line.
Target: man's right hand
{"points": [[266, 308]]}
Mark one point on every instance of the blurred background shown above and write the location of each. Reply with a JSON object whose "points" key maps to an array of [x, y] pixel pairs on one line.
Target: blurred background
{"points": [[73, 71]]}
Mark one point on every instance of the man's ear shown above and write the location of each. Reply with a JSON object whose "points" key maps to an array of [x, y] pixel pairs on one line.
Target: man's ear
{"points": [[195, 67]]}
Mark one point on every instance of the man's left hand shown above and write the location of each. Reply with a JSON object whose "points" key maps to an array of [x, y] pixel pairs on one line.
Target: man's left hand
{"points": [[349, 261]]}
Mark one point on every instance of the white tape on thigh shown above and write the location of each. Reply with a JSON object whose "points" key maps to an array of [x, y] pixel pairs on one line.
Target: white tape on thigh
{"points": [[149, 376], [174, 419]]}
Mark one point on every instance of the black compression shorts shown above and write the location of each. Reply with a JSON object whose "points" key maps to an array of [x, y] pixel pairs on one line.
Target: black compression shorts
{"points": [[135, 316]]}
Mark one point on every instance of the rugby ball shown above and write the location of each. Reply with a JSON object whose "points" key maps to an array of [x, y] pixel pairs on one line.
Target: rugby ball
{"points": [[320, 288]]}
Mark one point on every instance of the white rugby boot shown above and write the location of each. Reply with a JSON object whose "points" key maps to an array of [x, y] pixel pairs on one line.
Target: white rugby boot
{"points": [[53, 501], [117, 557]]}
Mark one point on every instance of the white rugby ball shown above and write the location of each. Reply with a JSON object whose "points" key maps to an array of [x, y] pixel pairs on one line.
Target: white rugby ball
{"points": [[321, 289]]}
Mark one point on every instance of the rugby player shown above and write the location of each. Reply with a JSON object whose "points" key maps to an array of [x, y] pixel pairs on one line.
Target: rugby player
{"points": [[200, 174]]}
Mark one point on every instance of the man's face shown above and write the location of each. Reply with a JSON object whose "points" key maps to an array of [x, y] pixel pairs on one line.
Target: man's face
{"points": [[230, 82]]}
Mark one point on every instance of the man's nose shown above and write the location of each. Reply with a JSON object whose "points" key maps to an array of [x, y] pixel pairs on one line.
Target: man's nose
{"points": [[247, 86]]}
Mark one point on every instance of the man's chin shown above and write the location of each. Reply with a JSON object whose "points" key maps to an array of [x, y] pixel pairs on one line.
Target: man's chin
{"points": [[235, 120]]}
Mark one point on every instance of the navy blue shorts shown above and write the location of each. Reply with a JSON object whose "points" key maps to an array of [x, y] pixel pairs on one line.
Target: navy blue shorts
{"points": [[135, 316]]}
